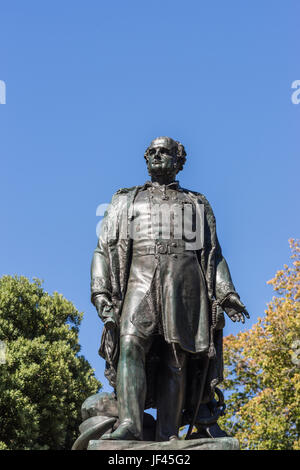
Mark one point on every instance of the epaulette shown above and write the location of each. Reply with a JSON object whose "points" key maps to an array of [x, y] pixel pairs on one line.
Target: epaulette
{"points": [[126, 190], [196, 193], [207, 205]]}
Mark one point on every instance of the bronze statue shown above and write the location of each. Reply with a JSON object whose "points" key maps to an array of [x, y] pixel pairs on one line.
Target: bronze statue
{"points": [[160, 284]]}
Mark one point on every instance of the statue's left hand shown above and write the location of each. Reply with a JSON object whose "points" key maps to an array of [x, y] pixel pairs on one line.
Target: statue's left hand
{"points": [[235, 309]]}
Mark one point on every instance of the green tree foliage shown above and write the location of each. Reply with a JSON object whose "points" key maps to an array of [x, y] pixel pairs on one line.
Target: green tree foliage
{"points": [[262, 370], [43, 380]]}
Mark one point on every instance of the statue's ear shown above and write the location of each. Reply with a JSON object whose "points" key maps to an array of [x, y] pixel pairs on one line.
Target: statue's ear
{"points": [[178, 167]]}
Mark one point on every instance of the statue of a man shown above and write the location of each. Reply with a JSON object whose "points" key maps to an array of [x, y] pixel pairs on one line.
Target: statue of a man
{"points": [[160, 284]]}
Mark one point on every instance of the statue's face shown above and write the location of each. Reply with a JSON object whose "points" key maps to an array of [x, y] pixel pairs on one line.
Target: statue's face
{"points": [[162, 157]]}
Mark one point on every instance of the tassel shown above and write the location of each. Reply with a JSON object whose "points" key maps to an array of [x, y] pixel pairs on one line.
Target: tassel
{"points": [[212, 349], [175, 355]]}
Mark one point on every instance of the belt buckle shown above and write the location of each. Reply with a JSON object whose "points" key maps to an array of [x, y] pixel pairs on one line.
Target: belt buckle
{"points": [[161, 249]]}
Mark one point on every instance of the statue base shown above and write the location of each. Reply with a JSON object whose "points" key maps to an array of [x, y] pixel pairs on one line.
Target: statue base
{"points": [[220, 443]]}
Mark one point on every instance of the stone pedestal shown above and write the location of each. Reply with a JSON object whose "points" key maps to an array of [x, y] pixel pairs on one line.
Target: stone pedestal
{"points": [[221, 443]]}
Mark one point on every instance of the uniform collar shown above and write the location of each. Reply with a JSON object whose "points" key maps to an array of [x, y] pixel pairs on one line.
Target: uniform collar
{"points": [[153, 184]]}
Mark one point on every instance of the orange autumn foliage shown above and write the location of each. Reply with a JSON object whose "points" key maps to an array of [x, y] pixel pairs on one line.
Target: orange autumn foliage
{"points": [[262, 370]]}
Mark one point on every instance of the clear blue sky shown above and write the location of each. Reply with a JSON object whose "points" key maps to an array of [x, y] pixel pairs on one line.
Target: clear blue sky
{"points": [[90, 84]]}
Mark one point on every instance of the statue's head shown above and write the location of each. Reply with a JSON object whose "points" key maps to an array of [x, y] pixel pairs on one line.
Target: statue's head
{"points": [[165, 156]]}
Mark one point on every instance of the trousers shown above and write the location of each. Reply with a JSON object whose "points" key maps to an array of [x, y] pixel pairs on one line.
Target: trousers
{"points": [[131, 386]]}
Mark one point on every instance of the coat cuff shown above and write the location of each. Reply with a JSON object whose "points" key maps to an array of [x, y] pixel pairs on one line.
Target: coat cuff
{"points": [[223, 290], [98, 287]]}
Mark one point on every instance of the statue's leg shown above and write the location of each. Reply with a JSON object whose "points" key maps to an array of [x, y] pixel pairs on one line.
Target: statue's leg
{"points": [[131, 388], [171, 391]]}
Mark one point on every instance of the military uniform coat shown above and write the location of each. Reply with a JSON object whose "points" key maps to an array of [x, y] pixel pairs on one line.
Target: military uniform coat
{"points": [[188, 283]]}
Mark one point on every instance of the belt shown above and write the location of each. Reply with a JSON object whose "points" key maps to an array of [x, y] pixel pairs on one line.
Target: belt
{"points": [[161, 249]]}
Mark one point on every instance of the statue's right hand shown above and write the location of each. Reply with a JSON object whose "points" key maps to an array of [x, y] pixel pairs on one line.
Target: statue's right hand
{"points": [[105, 311], [101, 301]]}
